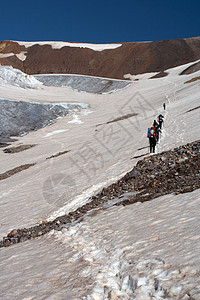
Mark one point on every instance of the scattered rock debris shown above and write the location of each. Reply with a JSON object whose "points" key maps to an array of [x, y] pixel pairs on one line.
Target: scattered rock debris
{"points": [[174, 171], [192, 80], [159, 75], [2, 145], [119, 119], [15, 171], [18, 148], [58, 154]]}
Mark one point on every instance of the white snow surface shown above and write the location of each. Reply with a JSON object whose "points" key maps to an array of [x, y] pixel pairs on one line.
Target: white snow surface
{"points": [[131, 250], [55, 132], [76, 120], [59, 45], [142, 251], [21, 55], [14, 77], [4, 55]]}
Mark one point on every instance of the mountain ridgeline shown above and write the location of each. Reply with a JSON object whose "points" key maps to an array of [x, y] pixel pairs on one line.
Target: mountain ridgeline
{"points": [[127, 58]]}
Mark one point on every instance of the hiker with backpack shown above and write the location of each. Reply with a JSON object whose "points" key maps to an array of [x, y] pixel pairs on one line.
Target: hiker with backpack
{"points": [[154, 132], [155, 124], [157, 132], [160, 120], [152, 139]]}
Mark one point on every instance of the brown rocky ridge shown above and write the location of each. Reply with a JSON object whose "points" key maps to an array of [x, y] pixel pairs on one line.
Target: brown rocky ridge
{"points": [[128, 58], [174, 171]]}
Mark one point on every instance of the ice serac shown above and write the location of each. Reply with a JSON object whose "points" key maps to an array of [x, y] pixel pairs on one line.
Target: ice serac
{"points": [[111, 61], [84, 83], [13, 77], [20, 117]]}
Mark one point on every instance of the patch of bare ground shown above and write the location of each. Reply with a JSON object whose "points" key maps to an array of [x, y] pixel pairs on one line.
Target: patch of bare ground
{"points": [[192, 80], [2, 145], [18, 149], [119, 119], [122, 118], [15, 171], [159, 75], [192, 69], [5, 141], [58, 154]]}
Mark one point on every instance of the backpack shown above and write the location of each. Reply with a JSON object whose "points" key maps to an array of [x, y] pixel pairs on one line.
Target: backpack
{"points": [[152, 133], [148, 132]]}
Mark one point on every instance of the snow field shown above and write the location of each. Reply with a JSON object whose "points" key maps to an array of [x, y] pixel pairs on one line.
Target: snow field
{"points": [[150, 278], [133, 256], [59, 45], [55, 132], [21, 55], [142, 251]]}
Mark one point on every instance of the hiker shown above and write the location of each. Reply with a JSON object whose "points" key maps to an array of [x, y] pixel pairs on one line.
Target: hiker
{"points": [[155, 124], [164, 105], [157, 132], [160, 120], [152, 139]]}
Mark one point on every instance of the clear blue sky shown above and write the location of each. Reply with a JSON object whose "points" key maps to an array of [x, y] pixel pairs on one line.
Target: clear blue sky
{"points": [[102, 21]]}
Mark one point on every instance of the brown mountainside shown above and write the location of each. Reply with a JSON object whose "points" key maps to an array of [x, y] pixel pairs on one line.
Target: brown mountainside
{"points": [[129, 58]]}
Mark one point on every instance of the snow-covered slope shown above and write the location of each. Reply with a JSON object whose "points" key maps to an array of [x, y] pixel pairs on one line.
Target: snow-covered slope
{"points": [[59, 45], [139, 251], [11, 76]]}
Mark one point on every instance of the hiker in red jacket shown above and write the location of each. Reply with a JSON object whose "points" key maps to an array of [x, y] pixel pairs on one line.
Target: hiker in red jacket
{"points": [[152, 139]]}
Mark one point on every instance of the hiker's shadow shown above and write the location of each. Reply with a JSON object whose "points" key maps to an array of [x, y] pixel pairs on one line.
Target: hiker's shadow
{"points": [[143, 148], [138, 156]]}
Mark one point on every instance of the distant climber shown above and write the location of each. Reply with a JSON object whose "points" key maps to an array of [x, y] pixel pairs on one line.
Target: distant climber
{"points": [[152, 139], [164, 106]]}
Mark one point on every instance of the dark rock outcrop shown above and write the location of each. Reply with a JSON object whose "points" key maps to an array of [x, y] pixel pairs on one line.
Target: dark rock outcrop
{"points": [[192, 69]]}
